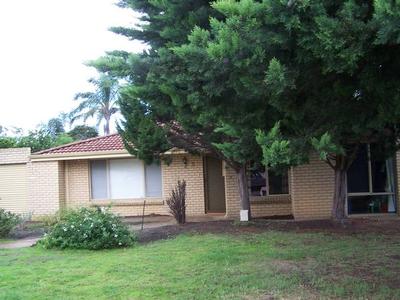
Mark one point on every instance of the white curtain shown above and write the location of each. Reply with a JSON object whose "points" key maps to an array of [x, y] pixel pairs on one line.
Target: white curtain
{"points": [[390, 184]]}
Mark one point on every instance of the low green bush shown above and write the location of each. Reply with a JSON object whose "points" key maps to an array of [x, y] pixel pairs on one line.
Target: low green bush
{"points": [[8, 221], [50, 220], [88, 228]]}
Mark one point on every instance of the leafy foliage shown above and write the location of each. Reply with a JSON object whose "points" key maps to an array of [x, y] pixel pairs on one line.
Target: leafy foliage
{"points": [[327, 70], [87, 228], [325, 146], [177, 202], [8, 221], [278, 153], [83, 132], [101, 104]]}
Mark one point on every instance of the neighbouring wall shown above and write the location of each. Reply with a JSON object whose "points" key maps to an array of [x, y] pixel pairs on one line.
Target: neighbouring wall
{"points": [[14, 156], [14, 167]]}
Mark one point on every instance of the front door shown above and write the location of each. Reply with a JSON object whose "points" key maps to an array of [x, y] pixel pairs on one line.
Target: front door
{"points": [[214, 185]]}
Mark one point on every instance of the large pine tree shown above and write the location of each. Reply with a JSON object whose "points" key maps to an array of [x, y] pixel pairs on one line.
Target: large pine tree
{"points": [[326, 73], [180, 94]]}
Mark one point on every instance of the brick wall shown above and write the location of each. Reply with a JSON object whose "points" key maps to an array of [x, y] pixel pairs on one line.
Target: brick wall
{"points": [[78, 194], [14, 167], [192, 173], [312, 189], [44, 188], [77, 183], [277, 205], [14, 155], [61, 184]]}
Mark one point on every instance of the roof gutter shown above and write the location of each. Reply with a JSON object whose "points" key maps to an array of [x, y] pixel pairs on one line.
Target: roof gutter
{"points": [[80, 155]]}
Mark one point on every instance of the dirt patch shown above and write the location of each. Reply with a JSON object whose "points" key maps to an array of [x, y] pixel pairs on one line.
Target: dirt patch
{"points": [[21, 243], [389, 228]]}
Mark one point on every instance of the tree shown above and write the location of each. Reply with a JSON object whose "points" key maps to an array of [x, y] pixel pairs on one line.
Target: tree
{"points": [[7, 142], [83, 132], [184, 93], [101, 104], [54, 127], [48, 135], [333, 74], [325, 73]]}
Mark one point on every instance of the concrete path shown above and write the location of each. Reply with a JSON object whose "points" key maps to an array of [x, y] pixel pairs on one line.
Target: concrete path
{"points": [[22, 243]]}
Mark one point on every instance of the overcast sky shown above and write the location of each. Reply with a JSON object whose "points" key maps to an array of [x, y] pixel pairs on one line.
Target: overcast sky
{"points": [[43, 46]]}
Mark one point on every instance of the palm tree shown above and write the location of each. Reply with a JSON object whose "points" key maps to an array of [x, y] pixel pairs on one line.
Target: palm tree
{"points": [[101, 104]]}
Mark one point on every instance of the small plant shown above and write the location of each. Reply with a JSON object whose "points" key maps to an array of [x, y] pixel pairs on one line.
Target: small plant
{"points": [[88, 228], [177, 202], [50, 220], [8, 221]]}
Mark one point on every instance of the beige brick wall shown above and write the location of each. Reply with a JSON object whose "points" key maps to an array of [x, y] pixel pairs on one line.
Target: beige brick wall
{"points": [[277, 205], [192, 173], [14, 168], [78, 188], [44, 188], [14, 155], [232, 197], [77, 183], [61, 184], [312, 189], [78, 194]]}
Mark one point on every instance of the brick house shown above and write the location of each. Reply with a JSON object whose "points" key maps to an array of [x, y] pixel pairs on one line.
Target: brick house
{"points": [[100, 172]]}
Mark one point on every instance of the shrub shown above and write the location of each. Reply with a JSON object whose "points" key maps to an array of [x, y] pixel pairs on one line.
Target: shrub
{"points": [[88, 228], [177, 202], [50, 220], [8, 221]]}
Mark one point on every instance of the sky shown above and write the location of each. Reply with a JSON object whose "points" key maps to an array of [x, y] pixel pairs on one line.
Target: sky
{"points": [[43, 45]]}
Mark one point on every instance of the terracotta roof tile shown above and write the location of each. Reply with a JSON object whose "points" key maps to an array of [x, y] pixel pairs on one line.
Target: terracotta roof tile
{"points": [[103, 143]]}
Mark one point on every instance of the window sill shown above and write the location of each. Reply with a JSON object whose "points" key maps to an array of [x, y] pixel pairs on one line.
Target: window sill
{"points": [[128, 202], [372, 215], [271, 199]]}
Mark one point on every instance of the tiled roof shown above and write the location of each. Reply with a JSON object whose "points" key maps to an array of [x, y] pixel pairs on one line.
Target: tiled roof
{"points": [[103, 143]]}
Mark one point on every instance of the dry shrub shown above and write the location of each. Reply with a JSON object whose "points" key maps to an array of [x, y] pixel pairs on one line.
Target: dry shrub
{"points": [[177, 202]]}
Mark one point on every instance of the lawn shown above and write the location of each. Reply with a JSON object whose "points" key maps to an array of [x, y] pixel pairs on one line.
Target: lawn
{"points": [[4, 241], [209, 266]]}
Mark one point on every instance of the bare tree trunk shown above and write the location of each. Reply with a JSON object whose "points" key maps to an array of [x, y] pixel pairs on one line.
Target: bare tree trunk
{"points": [[245, 213], [339, 195]]}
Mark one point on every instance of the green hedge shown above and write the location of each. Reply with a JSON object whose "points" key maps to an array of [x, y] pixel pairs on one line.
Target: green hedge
{"points": [[8, 221]]}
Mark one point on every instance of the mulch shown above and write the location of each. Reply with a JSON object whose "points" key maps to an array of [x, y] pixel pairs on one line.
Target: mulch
{"points": [[390, 227]]}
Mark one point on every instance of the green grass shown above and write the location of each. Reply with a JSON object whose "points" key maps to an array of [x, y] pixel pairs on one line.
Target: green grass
{"points": [[4, 241], [210, 266]]}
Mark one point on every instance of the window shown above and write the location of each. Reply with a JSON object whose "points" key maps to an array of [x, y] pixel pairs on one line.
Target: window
{"points": [[277, 183], [370, 183], [124, 179]]}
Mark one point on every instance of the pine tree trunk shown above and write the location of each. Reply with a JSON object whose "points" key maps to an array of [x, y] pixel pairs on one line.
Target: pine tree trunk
{"points": [[243, 190], [339, 196]]}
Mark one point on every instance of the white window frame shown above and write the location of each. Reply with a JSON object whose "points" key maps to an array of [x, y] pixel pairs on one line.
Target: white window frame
{"points": [[107, 160]]}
